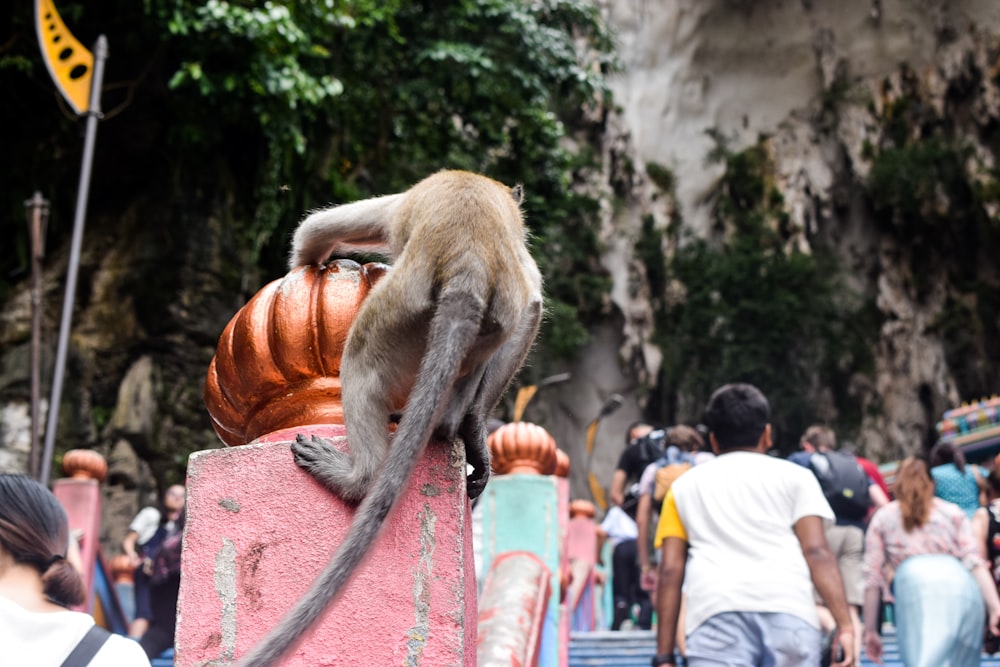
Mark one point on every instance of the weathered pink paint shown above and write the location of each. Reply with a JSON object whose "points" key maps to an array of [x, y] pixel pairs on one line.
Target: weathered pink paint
{"points": [[562, 500], [512, 614], [259, 530], [581, 549], [81, 498]]}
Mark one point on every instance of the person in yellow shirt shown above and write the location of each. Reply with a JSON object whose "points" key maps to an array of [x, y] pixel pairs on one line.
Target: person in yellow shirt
{"points": [[743, 536]]}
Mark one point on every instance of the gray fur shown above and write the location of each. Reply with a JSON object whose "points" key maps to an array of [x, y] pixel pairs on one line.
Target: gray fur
{"points": [[453, 344]]}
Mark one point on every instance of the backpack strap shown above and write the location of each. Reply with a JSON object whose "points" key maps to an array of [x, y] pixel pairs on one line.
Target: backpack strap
{"points": [[88, 647]]}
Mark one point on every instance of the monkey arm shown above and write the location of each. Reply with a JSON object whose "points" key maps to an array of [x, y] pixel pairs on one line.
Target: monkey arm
{"points": [[361, 226]]}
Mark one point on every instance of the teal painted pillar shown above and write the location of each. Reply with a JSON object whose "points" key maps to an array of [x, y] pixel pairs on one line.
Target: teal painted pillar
{"points": [[520, 512]]}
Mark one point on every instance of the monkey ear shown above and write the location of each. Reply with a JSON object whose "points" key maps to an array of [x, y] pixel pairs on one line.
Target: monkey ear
{"points": [[517, 192]]}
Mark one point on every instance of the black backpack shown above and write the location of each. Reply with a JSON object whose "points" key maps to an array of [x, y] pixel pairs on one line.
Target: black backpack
{"points": [[651, 446], [844, 483]]}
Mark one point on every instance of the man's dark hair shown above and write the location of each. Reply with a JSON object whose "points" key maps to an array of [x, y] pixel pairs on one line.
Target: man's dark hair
{"points": [[737, 414]]}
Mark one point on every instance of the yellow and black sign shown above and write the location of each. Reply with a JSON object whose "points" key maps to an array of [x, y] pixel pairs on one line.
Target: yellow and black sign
{"points": [[69, 63]]}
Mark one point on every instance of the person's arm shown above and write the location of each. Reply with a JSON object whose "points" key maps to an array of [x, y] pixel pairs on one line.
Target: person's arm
{"points": [[870, 615], [617, 491], [128, 546], [672, 541], [642, 512], [828, 582], [988, 589], [875, 584], [670, 578], [980, 527]]}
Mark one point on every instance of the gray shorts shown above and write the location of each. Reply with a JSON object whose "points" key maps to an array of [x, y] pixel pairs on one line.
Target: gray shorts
{"points": [[848, 545], [753, 639]]}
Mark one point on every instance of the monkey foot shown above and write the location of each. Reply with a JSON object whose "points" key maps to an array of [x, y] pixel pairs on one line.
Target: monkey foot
{"points": [[329, 466]]}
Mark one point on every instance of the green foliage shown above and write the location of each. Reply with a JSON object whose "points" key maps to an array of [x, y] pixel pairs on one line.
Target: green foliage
{"points": [[650, 251], [283, 106], [662, 176], [756, 312], [923, 194], [932, 194]]}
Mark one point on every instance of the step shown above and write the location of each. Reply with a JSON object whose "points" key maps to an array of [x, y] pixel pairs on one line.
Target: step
{"points": [[607, 648], [891, 658], [634, 648]]}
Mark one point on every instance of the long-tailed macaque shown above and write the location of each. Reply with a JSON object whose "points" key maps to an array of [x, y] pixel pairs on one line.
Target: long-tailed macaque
{"points": [[448, 326]]}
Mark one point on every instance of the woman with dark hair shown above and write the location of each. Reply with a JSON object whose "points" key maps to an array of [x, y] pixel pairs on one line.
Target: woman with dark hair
{"points": [[37, 585], [955, 481], [940, 580]]}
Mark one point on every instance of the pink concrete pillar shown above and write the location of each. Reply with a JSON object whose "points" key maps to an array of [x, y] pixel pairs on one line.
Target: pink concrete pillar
{"points": [[259, 530], [80, 496], [562, 498], [581, 550]]}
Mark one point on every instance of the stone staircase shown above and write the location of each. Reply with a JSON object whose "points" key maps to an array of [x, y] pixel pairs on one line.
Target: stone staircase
{"points": [[890, 657], [606, 648], [634, 648]]}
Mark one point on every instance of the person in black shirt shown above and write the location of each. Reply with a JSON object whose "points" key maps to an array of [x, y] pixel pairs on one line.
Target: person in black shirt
{"points": [[644, 445], [641, 449]]}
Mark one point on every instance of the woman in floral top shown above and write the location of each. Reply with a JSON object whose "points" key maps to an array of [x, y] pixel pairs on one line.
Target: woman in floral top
{"points": [[939, 583]]}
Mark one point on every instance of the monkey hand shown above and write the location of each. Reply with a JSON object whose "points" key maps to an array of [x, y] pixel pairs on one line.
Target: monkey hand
{"points": [[475, 483], [329, 466], [477, 453]]}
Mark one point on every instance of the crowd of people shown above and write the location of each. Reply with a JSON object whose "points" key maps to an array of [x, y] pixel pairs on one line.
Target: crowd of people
{"points": [[745, 558], [153, 545], [740, 557]]}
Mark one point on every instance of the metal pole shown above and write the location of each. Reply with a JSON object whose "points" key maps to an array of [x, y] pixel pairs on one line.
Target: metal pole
{"points": [[93, 115], [39, 213]]}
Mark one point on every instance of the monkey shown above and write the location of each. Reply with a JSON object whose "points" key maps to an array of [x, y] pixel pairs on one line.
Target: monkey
{"points": [[449, 325]]}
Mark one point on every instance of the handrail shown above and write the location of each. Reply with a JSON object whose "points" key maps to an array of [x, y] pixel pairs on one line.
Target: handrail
{"points": [[580, 595], [512, 610]]}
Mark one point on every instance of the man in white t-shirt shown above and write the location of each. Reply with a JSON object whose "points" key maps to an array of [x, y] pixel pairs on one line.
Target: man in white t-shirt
{"points": [[744, 537]]}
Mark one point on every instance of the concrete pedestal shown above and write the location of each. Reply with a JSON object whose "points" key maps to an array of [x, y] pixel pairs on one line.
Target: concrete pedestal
{"points": [[259, 530], [581, 549], [81, 498], [562, 493]]}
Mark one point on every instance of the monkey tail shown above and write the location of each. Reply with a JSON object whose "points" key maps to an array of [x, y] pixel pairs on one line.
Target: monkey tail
{"points": [[453, 331]]}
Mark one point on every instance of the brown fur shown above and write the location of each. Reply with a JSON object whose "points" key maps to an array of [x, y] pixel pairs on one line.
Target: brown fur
{"points": [[448, 326]]}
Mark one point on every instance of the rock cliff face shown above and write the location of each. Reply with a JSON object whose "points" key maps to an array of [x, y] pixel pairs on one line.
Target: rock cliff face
{"points": [[820, 85], [832, 91]]}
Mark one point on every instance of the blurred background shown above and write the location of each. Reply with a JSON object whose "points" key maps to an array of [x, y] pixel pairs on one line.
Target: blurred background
{"points": [[802, 195]]}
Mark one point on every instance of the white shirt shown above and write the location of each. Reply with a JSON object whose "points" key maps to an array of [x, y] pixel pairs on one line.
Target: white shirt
{"points": [[45, 639], [619, 526], [743, 555], [145, 524]]}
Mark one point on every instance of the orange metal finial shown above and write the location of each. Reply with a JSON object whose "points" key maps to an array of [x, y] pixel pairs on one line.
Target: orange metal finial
{"points": [[277, 364], [84, 464], [582, 508], [522, 447], [562, 463]]}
